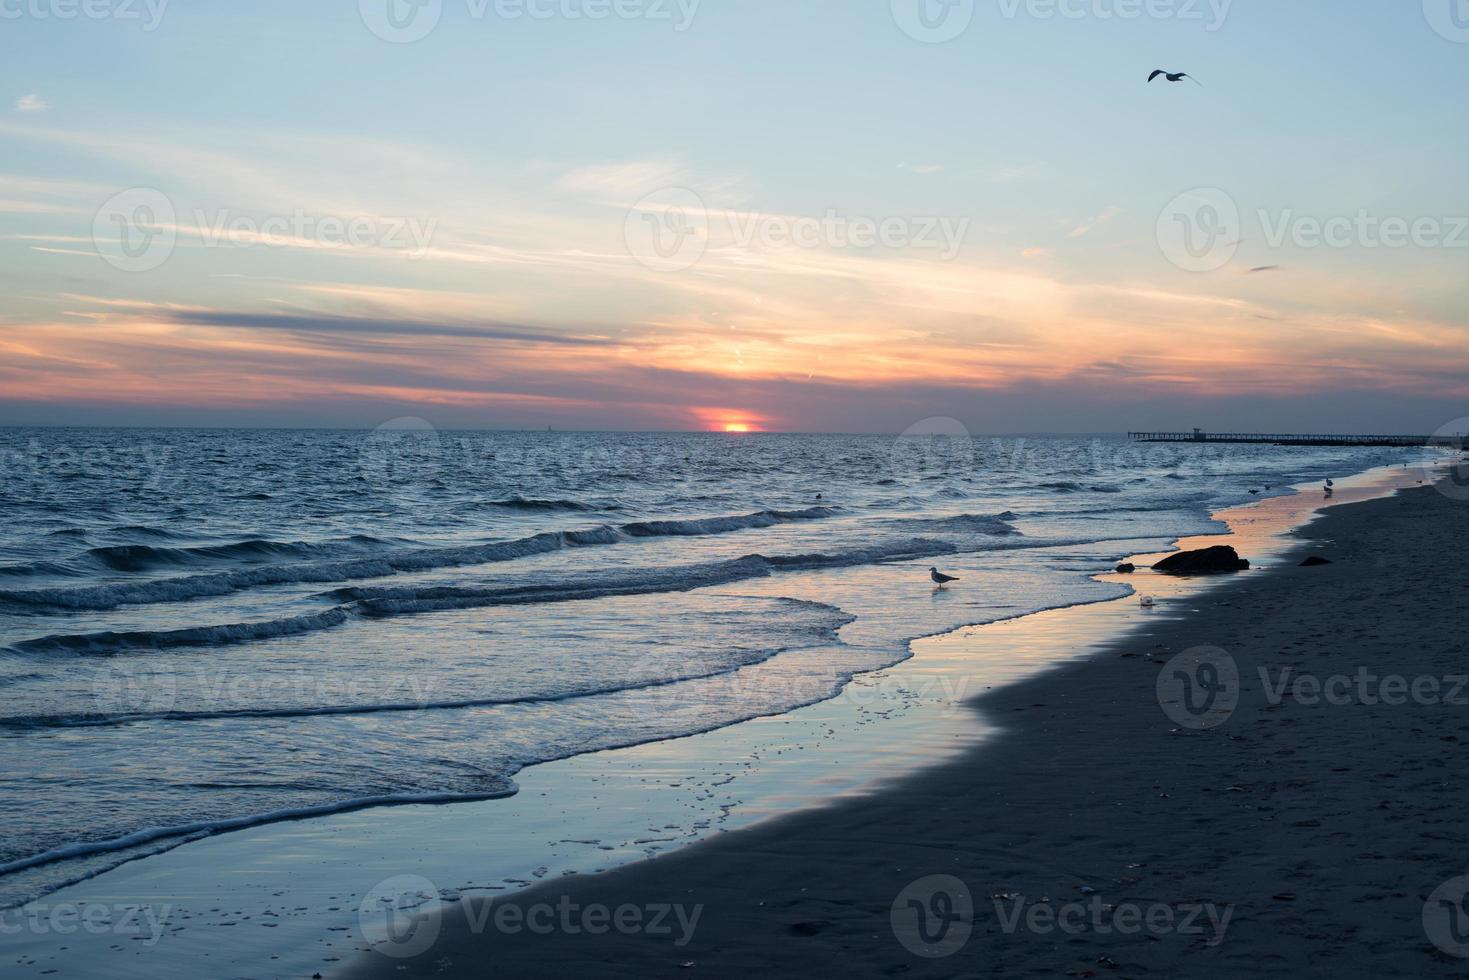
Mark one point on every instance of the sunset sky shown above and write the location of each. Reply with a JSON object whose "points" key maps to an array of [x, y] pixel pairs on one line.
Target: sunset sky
{"points": [[502, 179]]}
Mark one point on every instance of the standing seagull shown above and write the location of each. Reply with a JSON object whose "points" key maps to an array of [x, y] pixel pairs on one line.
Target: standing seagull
{"points": [[1175, 76], [940, 579]]}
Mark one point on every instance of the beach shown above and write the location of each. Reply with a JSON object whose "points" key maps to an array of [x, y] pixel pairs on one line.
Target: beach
{"points": [[1301, 832]]}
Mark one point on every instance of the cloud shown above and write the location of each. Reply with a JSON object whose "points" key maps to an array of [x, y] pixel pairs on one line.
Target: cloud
{"points": [[1006, 175], [921, 168], [307, 323], [31, 103], [1034, 253], [618, 182], [1087, 227]]}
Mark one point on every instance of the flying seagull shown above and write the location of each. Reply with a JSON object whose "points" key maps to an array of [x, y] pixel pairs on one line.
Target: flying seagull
{"points": [[1174, 76], [940, 579]]}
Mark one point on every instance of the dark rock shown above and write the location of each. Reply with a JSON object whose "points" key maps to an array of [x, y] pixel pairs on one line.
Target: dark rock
{"points": [[1210, 561], [1126, 569], [1314, 561]]}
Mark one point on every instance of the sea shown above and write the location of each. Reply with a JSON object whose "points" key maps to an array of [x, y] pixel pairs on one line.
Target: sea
{"points": [[208, 629]]}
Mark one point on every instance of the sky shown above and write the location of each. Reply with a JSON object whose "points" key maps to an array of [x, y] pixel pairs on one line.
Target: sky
{"points": [[794, 215]]}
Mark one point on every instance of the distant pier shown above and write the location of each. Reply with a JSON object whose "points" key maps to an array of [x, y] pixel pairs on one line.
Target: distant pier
{"points": [[1295, 439]]}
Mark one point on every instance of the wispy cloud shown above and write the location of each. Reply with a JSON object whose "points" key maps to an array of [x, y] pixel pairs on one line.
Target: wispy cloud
{"points": [[31, 103], [922, 168], [305, 323], [1089, 226]]}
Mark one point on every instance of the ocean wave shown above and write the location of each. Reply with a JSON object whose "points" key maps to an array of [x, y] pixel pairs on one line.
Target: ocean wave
{"points": [[1071, 486], [388, 563], [115, 642], [142, 557], [530, 504], [821, 629], [997, 524], [722, 525], [202, 828], [678, 578]]}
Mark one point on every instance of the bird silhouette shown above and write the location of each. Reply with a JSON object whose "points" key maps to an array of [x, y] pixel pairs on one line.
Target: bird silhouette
{"points": [[940, 579], [1174, 76]]}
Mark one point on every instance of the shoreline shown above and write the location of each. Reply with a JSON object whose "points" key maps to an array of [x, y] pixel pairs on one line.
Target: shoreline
{"points": [[698, 782], [1092, 794]]}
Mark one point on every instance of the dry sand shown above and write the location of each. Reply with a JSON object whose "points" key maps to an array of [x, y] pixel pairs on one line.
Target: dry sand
{"points": [[1318, 829]]}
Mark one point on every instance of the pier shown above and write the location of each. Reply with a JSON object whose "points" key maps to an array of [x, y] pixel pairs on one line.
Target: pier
{"points": [[1296, 439]]}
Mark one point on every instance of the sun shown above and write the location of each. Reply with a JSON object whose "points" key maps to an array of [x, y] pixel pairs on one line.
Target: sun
{"points": [[735, 421]]}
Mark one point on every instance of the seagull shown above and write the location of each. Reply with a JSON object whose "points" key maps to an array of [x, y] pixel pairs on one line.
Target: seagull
{"points": [[1331, 483], [940, 579], [1175, 76]]}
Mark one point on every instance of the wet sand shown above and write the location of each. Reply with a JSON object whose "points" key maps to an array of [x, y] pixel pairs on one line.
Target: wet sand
{"points": [[1299, 833]]}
